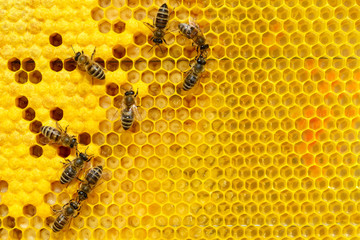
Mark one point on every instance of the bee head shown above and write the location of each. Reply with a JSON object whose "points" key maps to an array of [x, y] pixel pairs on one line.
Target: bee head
{"points": [[77, 55], [73, 142], [158, 41], [130, 92], [82, 195], [201, 60], [204, 47]]}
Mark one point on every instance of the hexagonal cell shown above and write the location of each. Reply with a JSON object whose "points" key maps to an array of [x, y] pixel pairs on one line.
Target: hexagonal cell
{"points": [[104, 26], [28, 114], [140, 14], [14, 64], [56, 64], [119, 51], [36, 151], [63, 152], [104, 3], [84, 138], [127, 64], [112, 13], [70, 64], [21, 102], [55, 39], [119, 27], [35, 77], [112, 89], [56, 114], [28, 64], [112, 64], [97, 13], [21, 77], [100, 61], [35, 126]]}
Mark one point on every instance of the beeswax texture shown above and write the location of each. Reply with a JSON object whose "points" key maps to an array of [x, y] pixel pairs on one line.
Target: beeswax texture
{"points": [[265, 147]]}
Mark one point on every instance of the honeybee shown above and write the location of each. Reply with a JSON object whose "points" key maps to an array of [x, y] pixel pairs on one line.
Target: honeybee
{"points": [[88, 65], [193, 75], [59, 136], [91, 179], [129, 109], [74, 167], [192, 31], [159, 26], [68, 211]]}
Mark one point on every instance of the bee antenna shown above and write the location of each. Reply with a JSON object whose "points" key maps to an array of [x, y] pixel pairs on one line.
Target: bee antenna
{"points": [[151, 48], [73, 49]]}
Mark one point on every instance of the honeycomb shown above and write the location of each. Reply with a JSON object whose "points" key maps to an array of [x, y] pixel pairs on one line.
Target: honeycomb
{"points": [[263, 148]]}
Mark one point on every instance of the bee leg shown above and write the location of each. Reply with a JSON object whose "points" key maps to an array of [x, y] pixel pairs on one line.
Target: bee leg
{"points": [[165, 41], [92, 55], [80, 179], [55, 210], [151, 27], [67, 162], [136, 92]]}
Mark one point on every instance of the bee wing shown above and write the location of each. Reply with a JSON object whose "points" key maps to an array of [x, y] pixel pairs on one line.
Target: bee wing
{"points": [[135, 110]]}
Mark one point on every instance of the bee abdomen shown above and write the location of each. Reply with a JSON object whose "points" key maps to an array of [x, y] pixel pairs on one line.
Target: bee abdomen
{"points": [[51, 133], [59, 223], [162, 17], [96, 71], [68, 175], [189, 82], [127, 119], [94, 175]]}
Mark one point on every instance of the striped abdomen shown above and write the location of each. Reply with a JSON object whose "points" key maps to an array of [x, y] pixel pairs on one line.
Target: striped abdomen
{"points": [[51, 133], [94, 175], [95, 70], [127, 119], [60, 223], [190, 81], [162, 16], [68, 174]]}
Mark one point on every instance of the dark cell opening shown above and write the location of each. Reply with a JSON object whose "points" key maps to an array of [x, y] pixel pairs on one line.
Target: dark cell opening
{"points": [[119, 27], [14, 64], [3, 186], [119, 51], [155, 64], [28, 64], [29, 210], [35, 77], [63, 152], [9, 222], [139, 38], [112, 89], [35, 126], [57, 114], [70, 64], [29, 114], [36, 151], [55, 39], [84, 138], [56, 65], [21, 77], [126, 64], [21, 102], [112, 64], [16, 234]]}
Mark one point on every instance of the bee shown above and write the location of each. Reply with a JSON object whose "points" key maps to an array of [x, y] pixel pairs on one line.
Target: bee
{"points": [[91, 179], [59, 135], [129, 109], [86, 64], [74, 167], [192, 31], [192, 76], [68, 211], [159, 26]]}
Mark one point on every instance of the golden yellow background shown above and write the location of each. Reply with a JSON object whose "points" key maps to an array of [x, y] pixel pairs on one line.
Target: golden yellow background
{"points": [[266, 147]]}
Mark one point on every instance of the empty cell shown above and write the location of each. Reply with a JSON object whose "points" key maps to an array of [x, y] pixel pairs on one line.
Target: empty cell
{"points": [[28, 114], [97, 13], [105, 27], [126, 64], [125, 14], [28, 64], [111, 13], [21, 102], [21, 77], [154, 89], [55, 39], [35, 77], [139, 38], [14, 64], [139, 14], [118, 51], [56, 114], [56, 64], [112, 64], [112, 89]]}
